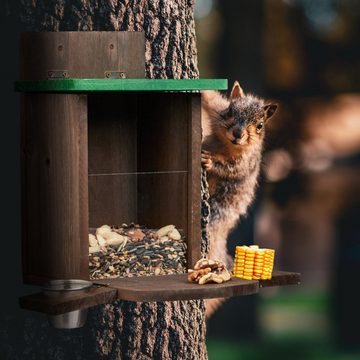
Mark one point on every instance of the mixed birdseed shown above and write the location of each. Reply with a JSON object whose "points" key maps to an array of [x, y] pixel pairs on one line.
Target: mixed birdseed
{"points": [[136, 252]]}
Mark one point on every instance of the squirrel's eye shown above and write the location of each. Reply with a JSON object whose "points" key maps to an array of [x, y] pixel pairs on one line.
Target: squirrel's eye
{"points": [[259, 127]]}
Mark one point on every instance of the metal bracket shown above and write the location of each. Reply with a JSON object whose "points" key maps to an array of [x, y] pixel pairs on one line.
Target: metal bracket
{"points": [[57, 74], [115, 75]]}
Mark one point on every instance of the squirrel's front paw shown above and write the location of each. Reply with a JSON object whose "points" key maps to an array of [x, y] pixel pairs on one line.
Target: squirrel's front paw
{"points": [[206, 160]]}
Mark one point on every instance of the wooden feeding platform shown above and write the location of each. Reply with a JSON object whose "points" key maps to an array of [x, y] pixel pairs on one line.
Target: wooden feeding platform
{"points": [[100, 144], [153, 288]]}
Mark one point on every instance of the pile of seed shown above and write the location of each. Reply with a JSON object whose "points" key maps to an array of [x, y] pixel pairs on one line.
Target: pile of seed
{"points": [[147, 254]]}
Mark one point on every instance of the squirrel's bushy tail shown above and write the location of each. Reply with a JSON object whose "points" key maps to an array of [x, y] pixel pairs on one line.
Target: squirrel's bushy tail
{"points": [[212, 305]]}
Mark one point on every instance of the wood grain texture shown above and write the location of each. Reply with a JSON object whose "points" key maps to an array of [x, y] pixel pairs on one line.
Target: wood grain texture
{"points": [[100, 85], [55, 306], [162, 153], [112, 133], [162, 132], [152, 288], [177, 287], [138, 159], [162, 200], [194, 180], [112, 150], [55, 187], [112, 200], [82, 54], [282, 278]]}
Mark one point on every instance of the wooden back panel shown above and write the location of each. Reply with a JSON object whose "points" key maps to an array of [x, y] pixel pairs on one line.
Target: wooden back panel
{"points": [[112, 153], [83, 54], [162, 150]]}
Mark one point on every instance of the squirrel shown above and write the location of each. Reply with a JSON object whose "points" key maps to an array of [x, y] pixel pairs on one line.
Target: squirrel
{"points": [[233, 134]]}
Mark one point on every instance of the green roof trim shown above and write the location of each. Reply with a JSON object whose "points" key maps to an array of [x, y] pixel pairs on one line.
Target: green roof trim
{"points": [[98, 85]]}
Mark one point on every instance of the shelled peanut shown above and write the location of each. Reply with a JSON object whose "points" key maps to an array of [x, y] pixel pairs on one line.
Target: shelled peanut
{"points": [[252, 263], [105, 236], [209, 271]]}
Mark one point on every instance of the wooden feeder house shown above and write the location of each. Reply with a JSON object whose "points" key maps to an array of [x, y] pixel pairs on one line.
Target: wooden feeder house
{"points": [[103, 145]]}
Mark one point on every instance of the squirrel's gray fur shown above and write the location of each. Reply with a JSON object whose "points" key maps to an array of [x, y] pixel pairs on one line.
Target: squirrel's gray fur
{"points": [[233, 164]]}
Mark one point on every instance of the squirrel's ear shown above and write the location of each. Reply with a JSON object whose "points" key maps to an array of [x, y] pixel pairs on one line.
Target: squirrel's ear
{"points": [[236, 91], [270, 110]]}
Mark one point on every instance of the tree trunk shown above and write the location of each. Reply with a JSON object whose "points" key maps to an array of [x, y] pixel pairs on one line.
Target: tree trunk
{"points": [[128, 330]]}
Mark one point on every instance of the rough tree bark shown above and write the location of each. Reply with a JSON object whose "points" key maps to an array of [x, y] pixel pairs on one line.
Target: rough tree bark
{"points": [[128, 330]]}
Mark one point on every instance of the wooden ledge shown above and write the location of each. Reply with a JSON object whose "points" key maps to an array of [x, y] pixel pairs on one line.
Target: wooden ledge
{"points": [[282, 278], [55, 306], [152, 288], [177, 287]]}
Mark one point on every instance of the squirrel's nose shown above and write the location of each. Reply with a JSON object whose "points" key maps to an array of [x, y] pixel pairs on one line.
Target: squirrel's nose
{"points": [[237, 133]]}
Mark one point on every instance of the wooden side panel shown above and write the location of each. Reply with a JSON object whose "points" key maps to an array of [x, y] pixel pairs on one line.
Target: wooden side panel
{"points": [[83, 54], [55, 187], [194, 180], [162, 160], [112, 158]]}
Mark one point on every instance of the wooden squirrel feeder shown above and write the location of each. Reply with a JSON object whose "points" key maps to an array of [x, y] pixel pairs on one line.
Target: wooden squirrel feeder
{"points": [[103, 145]]}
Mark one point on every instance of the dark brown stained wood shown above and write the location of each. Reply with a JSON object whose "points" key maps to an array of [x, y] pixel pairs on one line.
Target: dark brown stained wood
{"points": [[194, 180], [162, 200], [152, 288], [163, 132], [40, 53], [55, 187], [177, 287], [112, 200], [107, 51], [55, 306], [149, 138], [282, 278], [112, 133], [112, 150], [162, 160], [82, 54]]}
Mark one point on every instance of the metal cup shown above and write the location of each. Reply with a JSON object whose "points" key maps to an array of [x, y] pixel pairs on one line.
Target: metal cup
{"points": [[65, 289]]}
